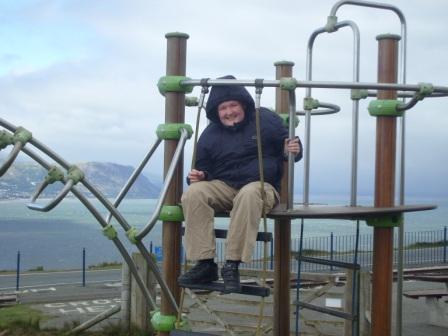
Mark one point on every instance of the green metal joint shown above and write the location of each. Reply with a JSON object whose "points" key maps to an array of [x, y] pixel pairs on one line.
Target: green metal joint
{"points": [[173, 84], [162, 322], [384, 108], [426, 89], [285, 118], [6, 139], [171, 213], [191, 101], [386, 221], [310, 103], [55, 174], [110, 232], [288, 83], [172, 131], [132, 235], [22, 135], [358, 94], [75, 174], [330, 27]]}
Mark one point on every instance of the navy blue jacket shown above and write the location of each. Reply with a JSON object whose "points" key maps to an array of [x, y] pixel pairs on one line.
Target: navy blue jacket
{"points": [[230, 154]]}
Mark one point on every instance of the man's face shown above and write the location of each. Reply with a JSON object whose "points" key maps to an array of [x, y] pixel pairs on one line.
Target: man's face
{"points": [[230, 112]]}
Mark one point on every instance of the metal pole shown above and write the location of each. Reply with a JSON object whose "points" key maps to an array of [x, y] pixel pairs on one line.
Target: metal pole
{"points": [[174, 113], [18, 271], [84, 267], [445, 243], [282, 228], [384, 191], [331, 249]]}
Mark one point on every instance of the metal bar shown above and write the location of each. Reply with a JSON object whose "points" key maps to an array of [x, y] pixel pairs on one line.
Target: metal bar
{"points": [[18, 271], [317, 84], [328, 262], [168, 178], [102, 222], [108, 205], [11, 157], [324, 310], [54, 202], [83, 267], [133, 178], [291, 156]]}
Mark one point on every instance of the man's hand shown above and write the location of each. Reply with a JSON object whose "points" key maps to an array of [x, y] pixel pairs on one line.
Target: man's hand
{"points": [[196, 175], [292, 146]]}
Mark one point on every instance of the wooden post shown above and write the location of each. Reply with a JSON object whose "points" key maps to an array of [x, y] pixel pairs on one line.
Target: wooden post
{"points": [[348, 300], [384, 191], [174, 113], [139, 309], [364, 304], [282, 228]]}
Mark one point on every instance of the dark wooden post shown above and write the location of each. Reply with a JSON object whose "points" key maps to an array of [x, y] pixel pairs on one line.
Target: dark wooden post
{"points": [[282, 227], [174, 113], [384, 191]]}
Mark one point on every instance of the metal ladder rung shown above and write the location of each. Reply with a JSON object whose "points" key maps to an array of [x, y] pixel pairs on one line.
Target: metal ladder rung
{"points": [[219, 287], [328, 311], [328, 262]]}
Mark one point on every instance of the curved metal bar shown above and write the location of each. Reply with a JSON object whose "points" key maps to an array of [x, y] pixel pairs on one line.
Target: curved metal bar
{"points": [[133, 178], [132, 267], [355, 108], [109, 206], [11, 157], [402, 146], [59, 197], [169, 176], [401, 94], [328, 108]]}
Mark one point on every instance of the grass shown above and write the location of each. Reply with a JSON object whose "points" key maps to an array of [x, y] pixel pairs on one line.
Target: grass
{"points": [[22, 320], [19, 315], [106, 265]]}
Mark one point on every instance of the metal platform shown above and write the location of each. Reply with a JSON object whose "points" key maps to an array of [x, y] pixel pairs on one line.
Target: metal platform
{"points": [[343, 212]]}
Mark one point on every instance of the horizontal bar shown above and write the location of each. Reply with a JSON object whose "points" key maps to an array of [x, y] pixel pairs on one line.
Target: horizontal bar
{"points": [[222, 234], [314, 84], [327, 262], [328, 311]]}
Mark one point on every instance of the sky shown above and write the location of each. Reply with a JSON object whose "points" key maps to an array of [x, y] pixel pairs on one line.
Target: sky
{"points": [[82, 75]]}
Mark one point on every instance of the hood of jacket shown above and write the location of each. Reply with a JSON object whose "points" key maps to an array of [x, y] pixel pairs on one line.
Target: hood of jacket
{"points": [[220, 94]]}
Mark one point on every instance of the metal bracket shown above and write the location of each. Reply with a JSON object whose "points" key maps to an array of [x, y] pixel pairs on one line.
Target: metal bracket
{"points": [[288, 83], [110, 232], [162, 322], [171, 213], [173, 84], [385, 108], [386, 221], [172, 131]]}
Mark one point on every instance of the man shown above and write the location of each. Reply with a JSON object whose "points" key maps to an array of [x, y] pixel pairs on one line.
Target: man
{"points": [[226, 177]]}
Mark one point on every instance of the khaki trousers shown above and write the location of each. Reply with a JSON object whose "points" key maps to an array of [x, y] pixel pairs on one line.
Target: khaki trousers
{"points": [[203, 199]]}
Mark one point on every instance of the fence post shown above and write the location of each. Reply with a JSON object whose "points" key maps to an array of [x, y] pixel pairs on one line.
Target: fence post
{"points": [[445, 243], [272, 253], [331, 249], [18, 271], [83, 266]]}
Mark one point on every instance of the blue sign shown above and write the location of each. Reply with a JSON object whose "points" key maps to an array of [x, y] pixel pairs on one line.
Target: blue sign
{"points": [[158, 252]]}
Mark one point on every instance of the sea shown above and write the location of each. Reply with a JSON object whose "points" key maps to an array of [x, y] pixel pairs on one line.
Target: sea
{"points": [[58, 239]]}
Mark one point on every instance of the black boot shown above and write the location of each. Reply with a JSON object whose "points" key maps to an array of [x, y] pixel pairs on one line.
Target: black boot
{"points": [[231, 276], [204, 271]]}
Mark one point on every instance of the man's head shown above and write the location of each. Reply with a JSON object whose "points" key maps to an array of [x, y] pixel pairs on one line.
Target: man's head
{"points": [[229, 105], [231, 112]]}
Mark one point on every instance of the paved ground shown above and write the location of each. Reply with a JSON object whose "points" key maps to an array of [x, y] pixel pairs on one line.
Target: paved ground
{"points": [[65, 311]]}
